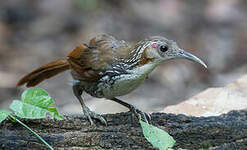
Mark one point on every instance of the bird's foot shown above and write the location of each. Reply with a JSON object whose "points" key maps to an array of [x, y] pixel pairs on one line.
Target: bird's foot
{"points": [[92, 115], [140, 114]]}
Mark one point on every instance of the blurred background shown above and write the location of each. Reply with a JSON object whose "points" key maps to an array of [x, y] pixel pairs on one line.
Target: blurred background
{"points": [[34, 32]]}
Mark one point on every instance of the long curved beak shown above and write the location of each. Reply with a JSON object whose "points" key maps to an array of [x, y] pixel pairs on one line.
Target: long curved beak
{"points": [[187, 55]]}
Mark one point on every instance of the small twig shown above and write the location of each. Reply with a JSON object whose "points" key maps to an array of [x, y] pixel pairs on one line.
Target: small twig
{"points": [[39, 137]]}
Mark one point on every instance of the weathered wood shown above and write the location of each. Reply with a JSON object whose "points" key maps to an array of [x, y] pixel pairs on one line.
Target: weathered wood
{"points": [[228, 131]]}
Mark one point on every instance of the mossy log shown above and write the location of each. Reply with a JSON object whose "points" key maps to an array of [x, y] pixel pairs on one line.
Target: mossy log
{"points": [[228, 131]]}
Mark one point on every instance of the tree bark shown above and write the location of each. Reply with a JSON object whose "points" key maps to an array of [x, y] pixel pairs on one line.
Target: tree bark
{"points": [[228, 131]]}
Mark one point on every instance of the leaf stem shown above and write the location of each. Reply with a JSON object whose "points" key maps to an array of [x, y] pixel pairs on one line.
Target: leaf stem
{"points": [[40, 138]]}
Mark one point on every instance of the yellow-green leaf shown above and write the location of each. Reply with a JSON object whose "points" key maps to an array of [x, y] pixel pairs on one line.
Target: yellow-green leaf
{"points": [[157, 137], [35, 104], [4, 114]]}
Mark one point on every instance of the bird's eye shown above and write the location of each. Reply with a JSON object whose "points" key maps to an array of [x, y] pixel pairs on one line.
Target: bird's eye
{"points": [[163, 48]]}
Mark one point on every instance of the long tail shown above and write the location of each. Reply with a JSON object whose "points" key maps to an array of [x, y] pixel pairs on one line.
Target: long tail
{"points": [[44, 72]]}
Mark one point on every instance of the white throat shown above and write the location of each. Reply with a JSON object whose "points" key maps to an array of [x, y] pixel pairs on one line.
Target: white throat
{"points": [[145, 69]]}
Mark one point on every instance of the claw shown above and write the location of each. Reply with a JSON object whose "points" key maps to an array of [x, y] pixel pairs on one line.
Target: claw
{"points": [[90, 114], [149, 117], [140, 113], [144, 116]]}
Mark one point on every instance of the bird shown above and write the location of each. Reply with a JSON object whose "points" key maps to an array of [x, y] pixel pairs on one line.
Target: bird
{"points": [[105, 67]]}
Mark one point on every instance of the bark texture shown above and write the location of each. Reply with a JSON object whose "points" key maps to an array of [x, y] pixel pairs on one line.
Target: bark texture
{"points": [[228, 131]]}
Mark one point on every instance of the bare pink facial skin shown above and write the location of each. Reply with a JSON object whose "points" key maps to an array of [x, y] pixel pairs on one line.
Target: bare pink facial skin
{"points": [[154, 46]]}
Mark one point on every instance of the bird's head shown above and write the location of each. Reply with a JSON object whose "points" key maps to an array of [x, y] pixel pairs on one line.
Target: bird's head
{"points": [[159, 49]]}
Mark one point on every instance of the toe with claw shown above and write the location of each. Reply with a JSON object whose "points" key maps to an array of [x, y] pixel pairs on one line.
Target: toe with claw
{"points": [[92, 115], [140, 114]]}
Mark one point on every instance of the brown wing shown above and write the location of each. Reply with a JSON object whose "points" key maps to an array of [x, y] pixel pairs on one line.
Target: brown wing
{"points": [[91, 60]]}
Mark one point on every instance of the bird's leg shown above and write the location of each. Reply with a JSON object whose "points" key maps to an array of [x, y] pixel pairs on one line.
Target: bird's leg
{"points": [[87, 112], [135, 110]]}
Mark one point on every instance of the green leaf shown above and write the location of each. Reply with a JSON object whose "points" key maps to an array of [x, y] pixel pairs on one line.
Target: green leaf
{"points": [[35, 105], [55, 113], [37, 97], [4, 114], [157, 137]]}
